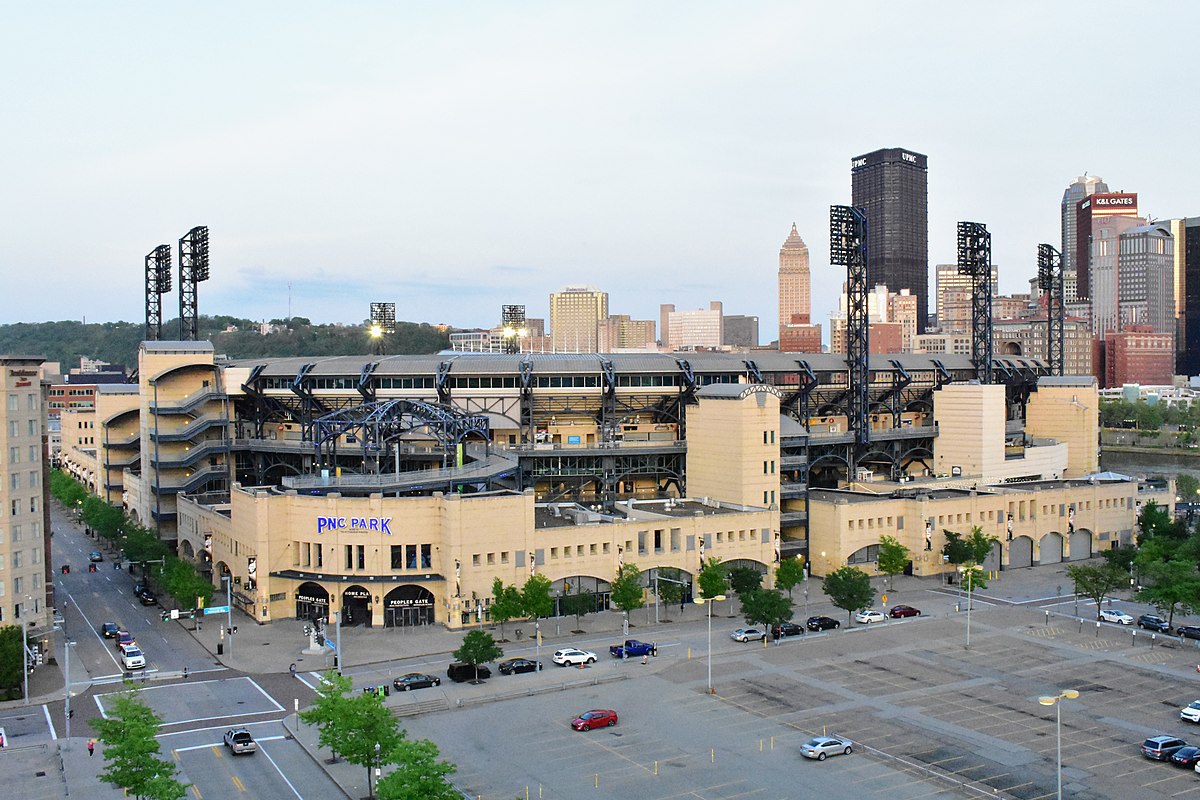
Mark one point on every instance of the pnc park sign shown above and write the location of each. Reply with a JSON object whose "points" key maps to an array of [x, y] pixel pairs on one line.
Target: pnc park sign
{"points": [[355, 524]]}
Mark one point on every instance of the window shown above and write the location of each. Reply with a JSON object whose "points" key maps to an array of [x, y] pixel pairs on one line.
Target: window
{"points": [[554, 552], [33, 431], [16, 534], [410, 556], [14, 481], [13, 403], [307, 554], [397, 556], [349, 549], [362, 556], [504, 557], [16, 507], [33, 505], [14, 428], [18, 559], [491, 559], [475, 560], [320, 556], [14, 455], [641, 543], [33, 479], [426, 556]]}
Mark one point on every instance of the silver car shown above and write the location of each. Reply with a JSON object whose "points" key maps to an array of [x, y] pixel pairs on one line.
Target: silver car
{"points": [[819, 747]]}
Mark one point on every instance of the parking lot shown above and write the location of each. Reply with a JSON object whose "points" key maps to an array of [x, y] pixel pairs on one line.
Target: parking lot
{"points": [[929, 717]]}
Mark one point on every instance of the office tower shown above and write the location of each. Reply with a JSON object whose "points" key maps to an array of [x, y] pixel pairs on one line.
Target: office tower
{"points": [[892, 317], [1189, 242], [1090, 215], [795, 299], [575, 316], [891, 187], [1103, 258], [664, 327], [25, 544], [953, 298], [620, 332], [1084, 186], [700, 329], [739, 330], [1146, 279]]}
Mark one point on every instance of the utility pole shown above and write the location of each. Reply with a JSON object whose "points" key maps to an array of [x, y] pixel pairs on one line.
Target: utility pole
{"points": [[229, 611]]}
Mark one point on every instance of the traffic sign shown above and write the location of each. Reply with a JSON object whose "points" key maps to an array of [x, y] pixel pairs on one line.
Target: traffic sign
{"points": [[330, 645], [217, 610]]}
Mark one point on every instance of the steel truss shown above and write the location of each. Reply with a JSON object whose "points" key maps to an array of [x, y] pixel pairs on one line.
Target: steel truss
{"points": [[376, 426], [193, 268], [1050, 281], [975, 262], [158, 283], [848, 247]]}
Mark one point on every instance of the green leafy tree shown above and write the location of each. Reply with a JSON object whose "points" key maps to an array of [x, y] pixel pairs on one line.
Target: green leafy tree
{"points": [[979, 545], [1187, 487], [626, 593], [131, 751], [711, 578], [506, 604], [744, 580], [1096, 581], [418, 775], [849, 588], [12, 663], [893, 557], [536, 601], [789, 574], [767, 607], [956, 550], [328, 711], [577, 605], [1121, 557], [1174, 587], [478, 647], [183, 582], [371, 733], [669, 592], [1155, 520]]}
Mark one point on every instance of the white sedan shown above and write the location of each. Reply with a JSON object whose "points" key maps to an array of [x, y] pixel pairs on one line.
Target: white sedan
{"points": [[569, 656], [869, 615], [1116, 615]]}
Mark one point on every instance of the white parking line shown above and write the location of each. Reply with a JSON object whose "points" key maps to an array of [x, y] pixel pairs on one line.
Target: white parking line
{"points": [[264, 693], [50, 723], [300, 678], [190, 731], [218, 744], [285, 777]]}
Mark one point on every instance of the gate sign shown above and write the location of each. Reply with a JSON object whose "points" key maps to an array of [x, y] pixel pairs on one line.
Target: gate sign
{"points": [[363, 524]]}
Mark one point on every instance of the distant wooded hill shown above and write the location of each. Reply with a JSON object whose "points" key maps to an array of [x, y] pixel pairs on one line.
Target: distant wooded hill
{"points": [[117, 342]]}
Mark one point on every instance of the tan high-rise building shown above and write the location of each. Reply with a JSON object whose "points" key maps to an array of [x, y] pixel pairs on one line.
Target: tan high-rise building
{"points": [[954, 298], [700, 329], [575, 316], [795, 298], [24, 536]]}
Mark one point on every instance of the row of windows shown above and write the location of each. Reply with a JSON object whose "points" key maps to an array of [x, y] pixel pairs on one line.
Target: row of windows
{"points": [[17, 506], [14, 454], [14, 479], [14, 428], [501, 382], [1019, 511], [35, 531], [19, 560], [354, 557], [32, 402]]}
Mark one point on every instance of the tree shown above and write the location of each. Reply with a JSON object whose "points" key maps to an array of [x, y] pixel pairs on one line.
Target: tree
{"points": [[131, 751], [893, 557], [849, 588], [418, 774], [579, 604], [1096, 581], [478, 647], [371, 733], [626, 593], [711, 578], [956, 550], [744, 580], [12, 663], [536, 601], [506, 604], [766, 607], [979, 545], [1121, 557], [1187, 487], [1155, 520], [1174, 586], [669, 591], [328, 711], [183, 582], [789, 574]]}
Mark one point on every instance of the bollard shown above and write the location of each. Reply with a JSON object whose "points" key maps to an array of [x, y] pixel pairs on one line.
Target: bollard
{"points": [[597, 780], [1097, 629], [689, 658], [760, 745], [1133, 639], [1081, 624], [712, 755], [1153, 636], [655, 767], [772, 744], [1047, 616]]}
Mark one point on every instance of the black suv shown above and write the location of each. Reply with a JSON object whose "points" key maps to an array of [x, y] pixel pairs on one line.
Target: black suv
{"points": [[460, 672], [1152, 622], [1188, 631], [822, 623], [786, 629]]}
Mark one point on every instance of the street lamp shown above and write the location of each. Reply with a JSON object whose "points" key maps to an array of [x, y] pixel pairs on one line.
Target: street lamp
{"points": [[375, 766], [968, 576], [67, 645], [1065, 694], [709, 601]]}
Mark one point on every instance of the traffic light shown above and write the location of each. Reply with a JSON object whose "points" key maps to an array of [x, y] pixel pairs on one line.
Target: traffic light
{"points": [[166, 615], [307, 630], [38, 658], [233, 630], [320, 639], [192, 614]]}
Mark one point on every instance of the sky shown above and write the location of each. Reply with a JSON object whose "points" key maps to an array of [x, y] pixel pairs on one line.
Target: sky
{"points": [[455, 157]]}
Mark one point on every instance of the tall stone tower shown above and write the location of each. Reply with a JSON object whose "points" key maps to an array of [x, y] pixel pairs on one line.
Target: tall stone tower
{"points": [[795, 298]]}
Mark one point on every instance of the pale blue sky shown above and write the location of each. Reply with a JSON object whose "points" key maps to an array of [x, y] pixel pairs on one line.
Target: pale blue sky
{"points": [[455, 157]]}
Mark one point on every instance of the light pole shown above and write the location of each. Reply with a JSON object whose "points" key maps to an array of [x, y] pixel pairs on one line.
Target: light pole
{"points": [[806, 601], [1056, 701], [968, 577], [228, 580], [67, 645], [374, 768], [709, 601], [25, 655]]}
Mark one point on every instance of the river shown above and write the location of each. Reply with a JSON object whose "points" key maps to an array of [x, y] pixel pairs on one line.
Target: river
{"points": [[1164, 463]]}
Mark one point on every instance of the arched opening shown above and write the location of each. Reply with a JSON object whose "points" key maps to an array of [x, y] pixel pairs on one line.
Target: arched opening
{"points": [[864, 555], [1050, 549], [1010, 349], [408, 605], [597, 588], [1020, 552], [1080, 545], [668, 577], [356, 606], [186, 550], [312, 601], [222, 570]]}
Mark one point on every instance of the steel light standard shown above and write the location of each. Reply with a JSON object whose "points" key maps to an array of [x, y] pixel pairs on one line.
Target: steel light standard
{"points": [[709, 601], [968, 576], [67, 645], [1056, 701]]}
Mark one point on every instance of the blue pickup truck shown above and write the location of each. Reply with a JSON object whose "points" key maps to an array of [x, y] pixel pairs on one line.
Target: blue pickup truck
{"points": [[632, 648]]}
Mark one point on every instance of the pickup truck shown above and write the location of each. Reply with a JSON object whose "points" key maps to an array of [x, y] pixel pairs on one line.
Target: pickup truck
{"points": [[239, 740], [633, 648]]}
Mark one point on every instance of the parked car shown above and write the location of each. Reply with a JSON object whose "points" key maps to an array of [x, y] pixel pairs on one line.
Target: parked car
{"points": [[147, 598], [869, 615], [124, 638], [1188, 631], [460, 672], [1115, 615], [132, 658], [596, 718], [1191, 712], [571, 657], [1186, 757], [786, 629], [632, 648], [822, 623], [95, 556], [109, 630], [139, 587], [239, 740], [1160, 748], [820, 747], [415, 680], [1153, 622], [748, 635], [513, 666], [904, 611]]}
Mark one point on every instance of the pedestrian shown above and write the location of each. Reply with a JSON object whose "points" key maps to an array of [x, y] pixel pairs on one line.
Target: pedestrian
{"points": [[644, 657], [91, 747]]}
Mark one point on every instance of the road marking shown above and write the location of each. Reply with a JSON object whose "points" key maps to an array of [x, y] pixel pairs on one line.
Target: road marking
{"points": [[220, 727], [50, 724], [264, 694], [300, 678], [220, 744], [277, 769], [196, 791], [238, 783], [99, 638]]}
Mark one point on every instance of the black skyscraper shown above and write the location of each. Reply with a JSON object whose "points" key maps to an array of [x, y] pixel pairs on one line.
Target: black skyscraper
{"points": [[1188, 360], [892, 187]]}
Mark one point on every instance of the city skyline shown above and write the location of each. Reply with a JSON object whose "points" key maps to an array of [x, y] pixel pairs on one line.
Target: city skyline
{"points": [[344, 156]]}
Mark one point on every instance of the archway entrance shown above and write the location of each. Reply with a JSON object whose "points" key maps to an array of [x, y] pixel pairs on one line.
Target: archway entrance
{"points": [[408, 605], [589, 586], [1020, 552], [312, 602], [1081, 545], [356, 606], [1050, 549]]}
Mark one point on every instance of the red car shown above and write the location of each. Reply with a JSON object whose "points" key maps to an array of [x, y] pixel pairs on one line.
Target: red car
{"points": [[124, 638], [596, 718], [904, 611]]}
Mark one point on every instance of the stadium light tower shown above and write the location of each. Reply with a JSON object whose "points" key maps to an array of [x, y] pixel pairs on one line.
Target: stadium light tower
{"points": [[383, 322], [193, 268], [514, 329], [158, 283]]}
